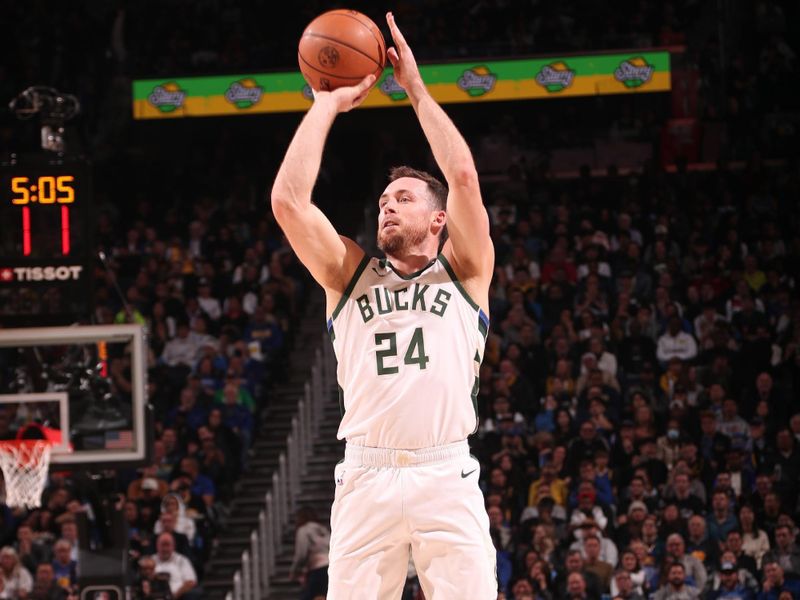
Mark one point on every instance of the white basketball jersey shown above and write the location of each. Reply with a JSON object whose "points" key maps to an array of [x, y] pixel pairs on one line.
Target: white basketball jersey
{"points": [[409, 350]]}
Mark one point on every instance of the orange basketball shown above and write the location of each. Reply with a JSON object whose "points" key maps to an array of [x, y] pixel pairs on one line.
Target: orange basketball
{"points": [[340, 48]]}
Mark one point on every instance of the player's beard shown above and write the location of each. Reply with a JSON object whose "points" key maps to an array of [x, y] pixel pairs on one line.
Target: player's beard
{"points": [[398, 243]]}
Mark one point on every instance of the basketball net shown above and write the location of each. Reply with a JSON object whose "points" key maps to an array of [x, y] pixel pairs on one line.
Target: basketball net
{"points": [[25, 465]]}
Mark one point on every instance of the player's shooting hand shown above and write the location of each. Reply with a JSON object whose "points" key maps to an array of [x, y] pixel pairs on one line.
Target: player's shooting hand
{"points": [[344, 99], [406, 72]]}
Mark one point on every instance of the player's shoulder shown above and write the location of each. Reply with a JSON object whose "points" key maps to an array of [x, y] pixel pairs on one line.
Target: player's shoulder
{"points": [[465, 269]]}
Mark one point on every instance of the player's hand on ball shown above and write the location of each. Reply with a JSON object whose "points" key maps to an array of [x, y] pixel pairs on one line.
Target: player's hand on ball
{"points": [[406, 72], [346, 98]]}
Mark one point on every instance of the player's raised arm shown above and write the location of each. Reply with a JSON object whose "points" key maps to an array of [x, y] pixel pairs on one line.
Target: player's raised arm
{"points": [[330, 258], [467, 220]]}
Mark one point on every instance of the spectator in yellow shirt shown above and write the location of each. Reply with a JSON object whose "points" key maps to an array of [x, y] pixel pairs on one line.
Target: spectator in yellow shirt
{"points": [[548, 480]]}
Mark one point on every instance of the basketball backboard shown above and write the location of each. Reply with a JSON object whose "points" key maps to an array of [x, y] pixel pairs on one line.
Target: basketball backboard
{"points": [[84, 387]]}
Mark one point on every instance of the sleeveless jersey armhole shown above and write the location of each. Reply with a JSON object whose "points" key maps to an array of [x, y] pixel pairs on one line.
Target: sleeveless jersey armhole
{"points": [[349, 289]]}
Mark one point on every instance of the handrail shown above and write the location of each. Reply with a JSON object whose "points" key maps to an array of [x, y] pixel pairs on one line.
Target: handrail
{"points": [[252, 580], [237, 586], [255, 570]]}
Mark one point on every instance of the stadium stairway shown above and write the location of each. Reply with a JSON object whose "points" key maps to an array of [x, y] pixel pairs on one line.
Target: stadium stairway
{"points": [[317, 484]]}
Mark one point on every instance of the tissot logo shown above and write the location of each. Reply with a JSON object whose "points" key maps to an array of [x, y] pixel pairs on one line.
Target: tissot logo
{"points": [[62, 273]]}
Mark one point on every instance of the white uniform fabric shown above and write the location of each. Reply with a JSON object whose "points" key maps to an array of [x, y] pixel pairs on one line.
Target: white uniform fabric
{"points": [[409, 350], [426, 503]]}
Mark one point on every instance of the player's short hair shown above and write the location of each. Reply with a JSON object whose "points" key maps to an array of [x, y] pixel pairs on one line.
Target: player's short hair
{"points": [[437, 190]]}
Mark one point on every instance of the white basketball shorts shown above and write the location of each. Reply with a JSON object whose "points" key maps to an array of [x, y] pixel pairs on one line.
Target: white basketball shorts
{"points": [[427, 502]]}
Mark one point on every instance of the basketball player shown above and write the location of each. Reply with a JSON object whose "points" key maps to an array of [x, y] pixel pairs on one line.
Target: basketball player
{"points": [[408, 331]]}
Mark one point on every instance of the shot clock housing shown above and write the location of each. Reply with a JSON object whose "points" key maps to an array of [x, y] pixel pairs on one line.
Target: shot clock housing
{"points": [[46, 241]]}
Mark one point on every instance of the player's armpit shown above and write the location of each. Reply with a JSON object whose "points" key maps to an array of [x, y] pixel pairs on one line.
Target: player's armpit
{"points": [[330, 258]]}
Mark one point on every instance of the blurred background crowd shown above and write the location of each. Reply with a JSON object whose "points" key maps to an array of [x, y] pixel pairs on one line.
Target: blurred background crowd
{"points": [[639, 410]]}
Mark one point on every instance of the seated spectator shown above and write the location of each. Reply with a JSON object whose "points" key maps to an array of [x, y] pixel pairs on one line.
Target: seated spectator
{"points": [[632, 586], [500, 529], [721, 519], [672, 521], [636, 492], [69, 532], [220, 467], [15, 580], [224, 437], [239, 418], [649, 555], [173, 452], [775, 583], [167, 522], [182, 350], [733, 544], [150, 584], [30, 551], [585, 585], [138, 537], [755, 542], [593, 564], [544, 541], [624, 587], [148, 487], [588, 508], [64, 567], [730, 424], [726, 584], [264, 335], [700, 544], [201, 485], [235, 393], [740, 470], [693, 572], [187, 416], [183, 524], [669, 444], [608, 549], [45, 586], [522, 589], [584, 446], [676, 587], [182, 577], [785, 552], [675, 343], [539, 575], [688, 503], [556, 488], [602, 485], [546, 418]]}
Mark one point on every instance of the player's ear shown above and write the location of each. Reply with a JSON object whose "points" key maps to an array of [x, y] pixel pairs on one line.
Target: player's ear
{"points": [[438, 220]]}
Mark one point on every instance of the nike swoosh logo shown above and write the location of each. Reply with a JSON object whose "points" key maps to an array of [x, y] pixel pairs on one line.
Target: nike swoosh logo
{"points": [[465, 475], [378, 273]]}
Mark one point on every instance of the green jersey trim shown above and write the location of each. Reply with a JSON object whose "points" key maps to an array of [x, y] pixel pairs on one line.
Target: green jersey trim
{"points": [[483, 318], [457, 283], [476, 388], [460, 287], [349, 289], [384, 262]]}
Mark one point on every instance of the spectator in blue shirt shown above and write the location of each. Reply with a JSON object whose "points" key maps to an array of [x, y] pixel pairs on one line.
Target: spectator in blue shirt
{"points": [[775, 583], [721, 519], [63, 564]]}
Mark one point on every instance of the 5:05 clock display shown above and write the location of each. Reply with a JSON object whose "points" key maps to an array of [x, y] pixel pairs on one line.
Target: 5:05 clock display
{"points": [[46, 189]]}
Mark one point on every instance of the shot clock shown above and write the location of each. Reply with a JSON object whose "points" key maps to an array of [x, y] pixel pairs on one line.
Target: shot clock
{"points": [[45, 241]]}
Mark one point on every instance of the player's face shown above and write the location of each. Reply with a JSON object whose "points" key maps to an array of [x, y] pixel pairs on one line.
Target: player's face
{"points": [[405, 215]]}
